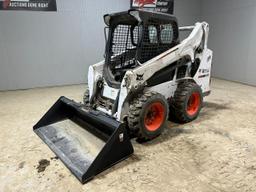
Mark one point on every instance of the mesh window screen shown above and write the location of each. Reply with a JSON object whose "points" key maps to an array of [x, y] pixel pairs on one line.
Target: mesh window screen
{"points": [[166, 34], [131, 43], [124, 45], [157, 38]]}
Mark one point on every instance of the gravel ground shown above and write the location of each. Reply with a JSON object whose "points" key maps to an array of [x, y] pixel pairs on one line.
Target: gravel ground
{"points": [[217, 152]]}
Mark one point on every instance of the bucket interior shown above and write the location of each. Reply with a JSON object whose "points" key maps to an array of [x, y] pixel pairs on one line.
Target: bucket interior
{"points": [[87, 142], [75, 144]]}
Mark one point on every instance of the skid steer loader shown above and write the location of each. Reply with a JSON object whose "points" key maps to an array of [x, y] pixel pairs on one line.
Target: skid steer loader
{"points": [[148, 75]]}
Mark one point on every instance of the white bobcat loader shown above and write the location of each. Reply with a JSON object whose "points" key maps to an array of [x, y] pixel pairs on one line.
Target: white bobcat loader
{"points": [[148, 75]]}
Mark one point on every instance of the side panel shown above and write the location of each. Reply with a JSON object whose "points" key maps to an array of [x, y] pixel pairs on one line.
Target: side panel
{"points": [[203, 75], [166, 89], [95, 72], [123, 95], [110, 92]]}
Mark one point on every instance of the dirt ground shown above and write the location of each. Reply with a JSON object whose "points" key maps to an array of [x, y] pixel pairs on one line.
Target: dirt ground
{"points": [[217, 152]]}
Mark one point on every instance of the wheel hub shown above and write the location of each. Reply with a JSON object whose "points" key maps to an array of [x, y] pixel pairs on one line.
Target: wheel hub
{"points": [[154, 116], [193, 104]]}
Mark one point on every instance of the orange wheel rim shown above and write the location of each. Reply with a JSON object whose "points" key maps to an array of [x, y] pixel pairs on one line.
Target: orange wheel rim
{"points": [[154, 116], [193, 104]]}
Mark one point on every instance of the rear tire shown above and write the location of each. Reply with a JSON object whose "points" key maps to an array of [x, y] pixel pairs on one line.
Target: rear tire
{"points": [[147, 115], [187, 102]]}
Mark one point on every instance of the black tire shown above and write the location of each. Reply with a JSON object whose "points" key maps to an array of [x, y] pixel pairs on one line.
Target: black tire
{"points": [[187, 102], [86, 98], [148, 114]]}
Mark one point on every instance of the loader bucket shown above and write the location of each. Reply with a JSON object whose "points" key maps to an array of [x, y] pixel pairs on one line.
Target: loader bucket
{"points": [[87, 141]]}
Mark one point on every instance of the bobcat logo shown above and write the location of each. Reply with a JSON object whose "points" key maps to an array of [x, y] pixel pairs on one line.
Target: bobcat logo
{"points": [[139, 77], [142, 3]]}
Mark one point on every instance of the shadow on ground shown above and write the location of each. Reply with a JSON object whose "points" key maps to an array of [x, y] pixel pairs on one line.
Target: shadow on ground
{"points": [[209, 111]]}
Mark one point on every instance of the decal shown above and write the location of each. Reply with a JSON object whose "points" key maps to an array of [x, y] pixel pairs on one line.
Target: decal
{"points": [[164, 6], [139, 77], [28, 5], [203, 76], [204, 70], [144, 3]]}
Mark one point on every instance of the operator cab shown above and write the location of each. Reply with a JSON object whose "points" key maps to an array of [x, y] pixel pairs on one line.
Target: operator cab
{"points": [[134, 38]]}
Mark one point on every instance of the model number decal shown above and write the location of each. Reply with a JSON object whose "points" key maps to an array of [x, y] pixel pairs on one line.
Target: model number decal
{"points": [[204, 71]]}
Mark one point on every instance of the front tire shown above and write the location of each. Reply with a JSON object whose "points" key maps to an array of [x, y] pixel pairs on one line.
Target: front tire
{"points": [[147, 115]]}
